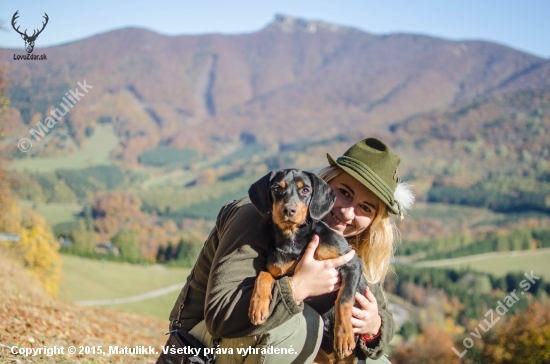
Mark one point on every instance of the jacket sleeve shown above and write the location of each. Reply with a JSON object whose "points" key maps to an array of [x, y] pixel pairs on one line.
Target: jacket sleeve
{"points": [[386, 331], [244, 243]]}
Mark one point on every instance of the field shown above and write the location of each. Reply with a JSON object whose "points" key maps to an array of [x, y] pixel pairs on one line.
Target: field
{"points": [[95, 151], [87, 279], [518, 261], [460, 217], [54, 213]]}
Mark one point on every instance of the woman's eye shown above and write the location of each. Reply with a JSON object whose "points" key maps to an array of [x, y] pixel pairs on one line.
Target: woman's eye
{"points": [[344, 192], [366, 208]]}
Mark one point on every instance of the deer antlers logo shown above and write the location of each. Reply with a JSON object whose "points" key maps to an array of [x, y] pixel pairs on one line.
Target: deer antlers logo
{"points": [[29, 40]]}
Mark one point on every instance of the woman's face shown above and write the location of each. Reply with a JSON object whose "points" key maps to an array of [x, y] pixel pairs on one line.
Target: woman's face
{"points": [[355, 206]]}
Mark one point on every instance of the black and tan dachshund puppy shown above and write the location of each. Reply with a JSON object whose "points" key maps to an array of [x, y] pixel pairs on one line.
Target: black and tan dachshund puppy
{"points": [[296, 201]]}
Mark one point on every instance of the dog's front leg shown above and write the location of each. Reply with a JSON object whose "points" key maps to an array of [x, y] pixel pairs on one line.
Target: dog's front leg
{"points": [[344, 339], [258, 311]]}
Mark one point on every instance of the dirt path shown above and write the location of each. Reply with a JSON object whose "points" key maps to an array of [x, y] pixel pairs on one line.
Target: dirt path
{"points": [[400, 313], [136, 298]]}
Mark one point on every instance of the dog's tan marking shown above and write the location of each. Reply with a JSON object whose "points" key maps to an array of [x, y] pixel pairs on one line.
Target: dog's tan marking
{"points": [[301, 213], [282, 184], [344, 339], [323, 357], [325, 252], [280, 269], [282, 221], [258, 311], [289, 224], [299, 184]]}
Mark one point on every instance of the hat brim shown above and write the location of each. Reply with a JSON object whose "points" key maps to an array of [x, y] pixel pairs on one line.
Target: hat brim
{"points": [[364, 182]]}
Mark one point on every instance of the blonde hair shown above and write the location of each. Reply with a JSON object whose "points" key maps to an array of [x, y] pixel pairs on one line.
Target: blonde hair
{"points": [[375, 246]]}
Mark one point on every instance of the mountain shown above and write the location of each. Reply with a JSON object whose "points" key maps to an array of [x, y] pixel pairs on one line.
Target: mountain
{"points": [[292, 80]]}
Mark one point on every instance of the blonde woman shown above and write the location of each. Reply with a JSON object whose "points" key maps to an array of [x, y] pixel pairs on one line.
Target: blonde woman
{"points": [[214, 302]]}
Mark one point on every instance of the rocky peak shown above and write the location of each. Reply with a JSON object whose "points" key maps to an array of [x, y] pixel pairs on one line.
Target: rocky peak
{"points": [[290, 24]]}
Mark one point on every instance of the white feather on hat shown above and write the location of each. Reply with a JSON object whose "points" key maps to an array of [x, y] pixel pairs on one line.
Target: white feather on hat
{"points": [[404, 198]]}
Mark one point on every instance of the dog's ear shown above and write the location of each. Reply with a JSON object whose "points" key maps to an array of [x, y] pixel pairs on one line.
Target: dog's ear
{"points": [[322, 199], [260, 194]]}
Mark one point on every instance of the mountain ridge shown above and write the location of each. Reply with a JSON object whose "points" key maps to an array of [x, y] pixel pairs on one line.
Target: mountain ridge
{"points": [[318, 77]]}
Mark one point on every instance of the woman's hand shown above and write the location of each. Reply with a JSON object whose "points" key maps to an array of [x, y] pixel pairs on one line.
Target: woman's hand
{"points": [[316, 277], [366, 320]]}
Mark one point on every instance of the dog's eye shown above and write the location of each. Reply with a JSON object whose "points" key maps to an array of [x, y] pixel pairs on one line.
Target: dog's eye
{"points": [[305, 190], [277, 189]]}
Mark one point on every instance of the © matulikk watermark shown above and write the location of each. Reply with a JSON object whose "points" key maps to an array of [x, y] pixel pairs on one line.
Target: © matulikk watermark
{"points": [[501, 310], [70, 100]]}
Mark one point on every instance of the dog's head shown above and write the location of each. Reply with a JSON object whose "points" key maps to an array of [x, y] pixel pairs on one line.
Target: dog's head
{"points": [[290, 196]]}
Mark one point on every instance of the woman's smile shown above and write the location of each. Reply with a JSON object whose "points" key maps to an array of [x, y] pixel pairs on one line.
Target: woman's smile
{"points": [[337, 220]]}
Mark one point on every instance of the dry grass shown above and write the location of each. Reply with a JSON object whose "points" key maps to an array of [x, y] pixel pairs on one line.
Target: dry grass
{"points": [[30, 318]]}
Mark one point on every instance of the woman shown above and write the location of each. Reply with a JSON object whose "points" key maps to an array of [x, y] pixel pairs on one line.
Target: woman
{"points": [[219, 288]]}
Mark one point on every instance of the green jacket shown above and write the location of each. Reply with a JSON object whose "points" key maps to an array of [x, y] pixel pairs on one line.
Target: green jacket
{"points": [[223, 280]]}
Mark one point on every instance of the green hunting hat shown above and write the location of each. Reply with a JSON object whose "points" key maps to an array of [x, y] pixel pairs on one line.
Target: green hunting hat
{"points": [[372, 163]]}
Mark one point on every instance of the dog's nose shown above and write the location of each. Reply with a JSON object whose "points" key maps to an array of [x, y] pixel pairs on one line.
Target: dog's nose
{"points": [[289, 210]]}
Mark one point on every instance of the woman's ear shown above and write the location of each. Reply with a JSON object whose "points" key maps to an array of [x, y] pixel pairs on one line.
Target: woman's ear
{"points": [[260, 194], [322, 199]]}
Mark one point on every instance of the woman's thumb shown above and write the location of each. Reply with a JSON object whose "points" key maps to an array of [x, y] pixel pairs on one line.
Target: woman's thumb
{"points": [[312, 247]]}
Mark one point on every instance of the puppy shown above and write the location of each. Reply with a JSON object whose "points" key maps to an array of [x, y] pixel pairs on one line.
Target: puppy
{"points": [[296, 201]]}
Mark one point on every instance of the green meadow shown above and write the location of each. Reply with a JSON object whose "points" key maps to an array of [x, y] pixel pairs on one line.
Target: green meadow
{"points": [[88, 279], [95, 151], [464, 217], [159, 306], [54, 213], [535, 260]]}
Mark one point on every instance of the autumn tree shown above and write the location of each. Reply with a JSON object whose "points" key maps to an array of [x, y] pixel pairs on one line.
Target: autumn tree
{"points": [[4, 102], [432, 346], [37, 248], [39, 251], [524, 339], [114, 212]]}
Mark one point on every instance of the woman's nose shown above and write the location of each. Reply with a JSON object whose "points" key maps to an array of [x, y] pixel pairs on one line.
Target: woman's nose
{"points": [[348, 213]]}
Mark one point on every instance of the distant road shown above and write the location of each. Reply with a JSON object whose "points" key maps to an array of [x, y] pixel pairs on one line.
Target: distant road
{"points": [[400, 314], [472, 258], [136, 298]]}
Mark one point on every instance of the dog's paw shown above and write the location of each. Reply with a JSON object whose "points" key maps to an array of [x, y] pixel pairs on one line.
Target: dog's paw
{"points": [[344, 342], [258, 311]]}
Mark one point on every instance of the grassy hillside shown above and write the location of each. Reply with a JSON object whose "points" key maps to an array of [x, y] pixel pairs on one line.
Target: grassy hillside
{"points": [[87, 279], [95, 151], [520, 261], [159, 307], [30, 318], [53, 213]]}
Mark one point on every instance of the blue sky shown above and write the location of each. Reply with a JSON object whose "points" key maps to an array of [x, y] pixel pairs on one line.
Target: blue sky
{"points": [[522, 24]]}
